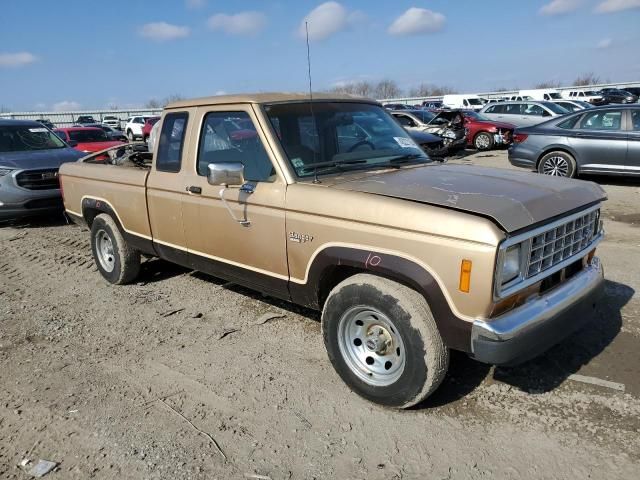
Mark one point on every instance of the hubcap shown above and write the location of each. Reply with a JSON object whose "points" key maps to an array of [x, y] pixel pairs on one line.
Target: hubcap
{"points": [[482, 142], [104, 250], [556, 167], [370, 346]]}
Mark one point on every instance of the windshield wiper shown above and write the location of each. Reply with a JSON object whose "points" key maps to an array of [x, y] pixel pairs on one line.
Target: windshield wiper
{"points": [[333, 163], [406, 158]]}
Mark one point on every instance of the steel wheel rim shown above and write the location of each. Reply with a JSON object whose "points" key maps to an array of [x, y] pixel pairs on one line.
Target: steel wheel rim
{"points": [[104, 251], [556, 167], [371, 346], [482, 142]]}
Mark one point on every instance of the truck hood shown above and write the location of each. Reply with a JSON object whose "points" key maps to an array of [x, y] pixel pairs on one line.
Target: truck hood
{"points": [[36, 159], [514, 200]]}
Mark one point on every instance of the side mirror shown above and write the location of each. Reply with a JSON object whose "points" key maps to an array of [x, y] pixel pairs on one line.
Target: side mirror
{"points": [[72, 143], [225, 173]]}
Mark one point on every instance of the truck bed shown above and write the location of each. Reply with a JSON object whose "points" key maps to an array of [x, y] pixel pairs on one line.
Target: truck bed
{"points": [[120, 183]]}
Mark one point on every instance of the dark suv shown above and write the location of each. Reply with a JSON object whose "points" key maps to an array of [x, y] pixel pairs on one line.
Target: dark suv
{"points": [[615, 95]]}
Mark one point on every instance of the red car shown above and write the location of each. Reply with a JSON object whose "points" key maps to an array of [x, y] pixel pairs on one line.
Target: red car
{"points": [[485, 134], [148, 125], [86, 139]]}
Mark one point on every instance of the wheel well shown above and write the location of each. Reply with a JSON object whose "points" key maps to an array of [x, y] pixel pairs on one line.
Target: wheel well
{"points": [[556, 149], [90, 214]]}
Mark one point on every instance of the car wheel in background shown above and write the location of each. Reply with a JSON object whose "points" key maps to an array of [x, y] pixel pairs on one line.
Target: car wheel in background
{"points": [[383, 341], [557, 164], [483, 141], [130, 136], [116, 260]]}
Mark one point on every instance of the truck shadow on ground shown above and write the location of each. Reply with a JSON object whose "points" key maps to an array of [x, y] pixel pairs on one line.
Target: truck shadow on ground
{"points": [[548, 371], [56, 220]]}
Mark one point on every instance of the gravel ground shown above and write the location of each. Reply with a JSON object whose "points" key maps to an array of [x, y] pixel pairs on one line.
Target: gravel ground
{"points": [[139, 381]]}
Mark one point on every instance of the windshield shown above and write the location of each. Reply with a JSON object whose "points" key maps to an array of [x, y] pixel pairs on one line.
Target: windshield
{"points": [[27, 138], [554, 96], [475, 101], [88, 135], [340, 135], [555, 108], [423, 115]]}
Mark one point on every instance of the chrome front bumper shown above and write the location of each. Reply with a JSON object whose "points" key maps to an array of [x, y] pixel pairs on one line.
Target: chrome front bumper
{"points": [[540, 323]]}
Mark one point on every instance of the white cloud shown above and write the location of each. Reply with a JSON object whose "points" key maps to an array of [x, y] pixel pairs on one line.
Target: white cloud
{"points": [[609, 6], [161, 31], [66, 106], [604, 43], [195, 4], [559, 7], [417, 21], [328, 19], [243, 23], [18, 59]]}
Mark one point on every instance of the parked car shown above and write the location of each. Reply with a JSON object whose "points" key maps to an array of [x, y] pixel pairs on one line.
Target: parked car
{"points": [[633, 90], [397, 106], [431, 104], [30, 155], [447, 124], [484, 133], [149, 122], [602, 140], [615, 95], [82, 119], [133, 127], [471, 102], [590, 96], [406, 258], [518, 98], [112, 133], [86, 139], [573, 105], [46, 122], [522, 114], [540, 94], [112, 121]]}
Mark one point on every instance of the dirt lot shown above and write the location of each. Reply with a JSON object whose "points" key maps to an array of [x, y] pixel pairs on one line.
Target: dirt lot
{"points": [[105, 380]]}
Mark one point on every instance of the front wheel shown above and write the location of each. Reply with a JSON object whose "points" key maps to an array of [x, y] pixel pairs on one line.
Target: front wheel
{"points": [[130, 136], [383, 341], [557, 164], [483, 141], [116, 260]]}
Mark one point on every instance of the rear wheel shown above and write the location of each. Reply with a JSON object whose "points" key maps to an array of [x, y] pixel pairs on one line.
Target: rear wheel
{"points": [[557, 164], [383, 341], [130, 136], [483, 141], [116, 260]]}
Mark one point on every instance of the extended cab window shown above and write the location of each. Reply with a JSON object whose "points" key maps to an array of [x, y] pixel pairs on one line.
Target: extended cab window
{"points": [[232, 137], [169, 157]]}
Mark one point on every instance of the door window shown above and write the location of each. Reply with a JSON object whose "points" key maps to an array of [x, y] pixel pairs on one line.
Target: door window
{"points": [[533, 110], [602, 120], [635, 120], [169, 157], [232, 137]]}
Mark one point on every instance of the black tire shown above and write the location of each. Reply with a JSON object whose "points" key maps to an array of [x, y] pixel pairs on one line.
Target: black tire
{"points": [[130, 136], [123, 260], [557, 164], [425, 360], [483, 141]]}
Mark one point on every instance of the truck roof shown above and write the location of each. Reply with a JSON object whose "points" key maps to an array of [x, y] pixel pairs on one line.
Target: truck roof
{"points": [[267, 98]]}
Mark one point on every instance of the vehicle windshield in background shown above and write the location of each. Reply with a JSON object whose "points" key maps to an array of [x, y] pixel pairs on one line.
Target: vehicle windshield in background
{"points": [[340, 135], [423, 115], [24, 139], [475, 101], [88, 136], [555, 96], [555, 108]]}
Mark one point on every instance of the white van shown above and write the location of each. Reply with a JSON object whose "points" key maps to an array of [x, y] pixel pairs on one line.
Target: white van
{"points": [[542, 94], [584, 95], [466, 102]]}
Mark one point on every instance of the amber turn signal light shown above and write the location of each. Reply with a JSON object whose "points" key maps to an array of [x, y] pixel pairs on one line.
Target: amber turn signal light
{"points": [[465, 276]]}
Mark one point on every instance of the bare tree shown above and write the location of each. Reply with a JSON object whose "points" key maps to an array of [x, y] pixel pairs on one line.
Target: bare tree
{"points": [[153, 103], [588, 78], [387, 89], [175, 97], [547, 84], [363, 89], [4, 109], [438, 91]]}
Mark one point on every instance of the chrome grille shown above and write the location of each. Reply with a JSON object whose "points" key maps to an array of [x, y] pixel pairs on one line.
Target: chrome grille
{"points": [[38, 179], [561, 242]]}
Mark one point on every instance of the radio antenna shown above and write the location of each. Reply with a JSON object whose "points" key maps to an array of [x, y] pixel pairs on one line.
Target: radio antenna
{"points": [[313, 117]]}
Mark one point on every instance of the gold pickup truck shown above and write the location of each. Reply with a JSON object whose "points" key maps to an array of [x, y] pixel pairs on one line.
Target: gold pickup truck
{"points": [[330, 204]]}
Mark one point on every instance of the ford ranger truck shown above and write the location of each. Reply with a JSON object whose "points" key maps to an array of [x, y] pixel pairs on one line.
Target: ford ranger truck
{"points": [[406, 258]]}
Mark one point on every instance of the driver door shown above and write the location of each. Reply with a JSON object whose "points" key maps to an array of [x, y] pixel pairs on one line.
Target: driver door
{"points": [[253, 253]]}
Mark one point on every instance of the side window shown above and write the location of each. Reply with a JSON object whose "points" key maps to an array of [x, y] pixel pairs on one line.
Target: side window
{"points": [[635, 120], [491, 109], [569, 123], [169, 156], [465, 102], [513, 109], [534, 110], [602, 120], [405, 121], [232, 137]]}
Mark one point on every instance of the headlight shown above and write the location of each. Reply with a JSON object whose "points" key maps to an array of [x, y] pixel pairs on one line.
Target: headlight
{"points": [[449, 134], [5, 171], [510, 264]]}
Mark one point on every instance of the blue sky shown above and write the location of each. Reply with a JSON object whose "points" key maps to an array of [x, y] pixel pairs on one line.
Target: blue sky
{"points": [[84, 54]]}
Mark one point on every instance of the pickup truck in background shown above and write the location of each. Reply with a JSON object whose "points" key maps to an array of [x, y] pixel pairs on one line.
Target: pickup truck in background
{"points": [[406, 258]]}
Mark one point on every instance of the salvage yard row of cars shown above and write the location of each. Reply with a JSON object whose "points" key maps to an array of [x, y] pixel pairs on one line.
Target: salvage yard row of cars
{"points": [[407, 258]]}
